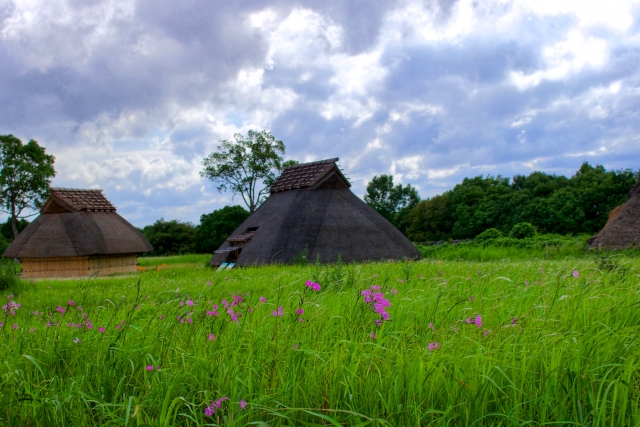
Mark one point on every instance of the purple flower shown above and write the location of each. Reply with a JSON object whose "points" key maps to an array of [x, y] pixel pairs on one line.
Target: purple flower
{"points": [[468, 320], [263, 299], [313, 285], [15, 326], [149, 368], [212, 337], [100, 329], [372, 335], [378, 322], [487, 332], [71, 303], [514, 321], [35, 313], [576, 274], [299, 311], [431, 326], [394, 291], [277, 313], [433, 346], [189, 320], [208, 283], [471, 298], [478, 321], [242, 404]]}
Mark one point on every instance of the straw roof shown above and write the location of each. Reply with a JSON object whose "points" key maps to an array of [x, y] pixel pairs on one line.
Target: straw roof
{"points": [[623, 230], [75, 222], [312, 210]]}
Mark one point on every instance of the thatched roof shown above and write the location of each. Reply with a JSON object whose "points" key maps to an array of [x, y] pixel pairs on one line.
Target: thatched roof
{"points": [[311, 210], [75, 222], [623, 230]]}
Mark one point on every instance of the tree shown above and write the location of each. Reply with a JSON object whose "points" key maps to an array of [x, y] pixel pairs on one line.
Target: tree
{"points": [[6, 229], [215, 227], [25, 176], [246, 166], [392, 202], [170, 237]]}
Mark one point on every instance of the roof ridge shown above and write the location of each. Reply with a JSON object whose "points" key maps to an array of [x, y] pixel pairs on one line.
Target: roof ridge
{"points": [[75, 189], [317, 162]]}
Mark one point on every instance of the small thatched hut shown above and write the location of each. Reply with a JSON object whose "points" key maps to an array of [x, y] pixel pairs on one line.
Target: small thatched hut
{"points": [[311, 212], [78, 233], [623, 229]]}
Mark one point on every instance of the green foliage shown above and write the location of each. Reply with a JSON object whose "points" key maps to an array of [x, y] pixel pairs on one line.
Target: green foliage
{"points": [[547, 246], [215, 227], [553, 349], [395, 203], [489, 234], [6, 229], [8, 273], [25, 176], [246, 166], [170, 237], [431, 219], [522, 230], [550, 203]]}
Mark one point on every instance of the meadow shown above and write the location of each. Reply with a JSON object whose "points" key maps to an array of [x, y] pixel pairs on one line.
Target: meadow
{"points": [[521, 342]]}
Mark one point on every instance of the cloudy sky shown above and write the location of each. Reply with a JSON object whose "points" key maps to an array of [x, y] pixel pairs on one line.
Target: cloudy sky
{"points": [[130, 95]]}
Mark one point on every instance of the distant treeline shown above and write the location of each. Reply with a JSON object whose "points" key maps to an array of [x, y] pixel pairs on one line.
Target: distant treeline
{"points": [[551, 203], [176, 238]]}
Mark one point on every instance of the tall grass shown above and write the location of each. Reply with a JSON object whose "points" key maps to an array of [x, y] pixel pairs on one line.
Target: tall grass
{"points": [[552, 348]]}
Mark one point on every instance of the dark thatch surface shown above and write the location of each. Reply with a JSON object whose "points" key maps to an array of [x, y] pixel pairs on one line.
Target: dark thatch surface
{"points": [[89, 226], [622, 231], [322, 218]]}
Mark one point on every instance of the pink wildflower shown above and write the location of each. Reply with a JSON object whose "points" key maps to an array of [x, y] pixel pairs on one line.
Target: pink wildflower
{"points": [[300, 319], [431, 326], [208, 283], [35, 313], [242, 404], [576, 274], [299, 311], [378, 322], [149, 368], [263, 299], [71, 303], [468, 320], [478, 321], [189, 320], [471, 298], [100, 329], [190, 303], [15, 326], [372, 335], [514, 321], [433, 346], [212, 337], [394, 291]]}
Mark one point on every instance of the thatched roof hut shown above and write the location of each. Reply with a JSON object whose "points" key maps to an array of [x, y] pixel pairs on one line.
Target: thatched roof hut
{"points": [[78, 233], [623, 229], [312, 212]]}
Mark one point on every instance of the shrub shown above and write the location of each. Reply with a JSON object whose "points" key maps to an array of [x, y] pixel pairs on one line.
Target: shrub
{"points": [[8, 276], [488, 234], [522, 230]]}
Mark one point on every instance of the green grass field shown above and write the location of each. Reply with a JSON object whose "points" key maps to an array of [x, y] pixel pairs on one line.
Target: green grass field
{"points": [[548, 348]]}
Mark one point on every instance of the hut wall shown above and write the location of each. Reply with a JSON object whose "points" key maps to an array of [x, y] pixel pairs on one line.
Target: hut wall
{"points": [[78, 266]]}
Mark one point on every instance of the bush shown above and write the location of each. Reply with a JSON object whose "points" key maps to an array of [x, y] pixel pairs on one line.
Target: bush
{"points": [[489, 234], [8, 274], [522, 230], [170, 237]]}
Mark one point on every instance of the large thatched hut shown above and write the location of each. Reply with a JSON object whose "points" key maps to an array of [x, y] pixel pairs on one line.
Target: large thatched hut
{"points": [[623, 229], [311, 212], [78, 233]]}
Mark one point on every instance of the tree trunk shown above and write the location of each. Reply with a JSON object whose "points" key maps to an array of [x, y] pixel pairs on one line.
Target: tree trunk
{"points": [[14, 222]]}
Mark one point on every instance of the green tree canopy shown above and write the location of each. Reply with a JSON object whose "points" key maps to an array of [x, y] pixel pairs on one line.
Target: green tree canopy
{"points": [[246, 166], [170, 237], [394, 202], [25, 175], [215, 227], [550, 203], [6, 229]]}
